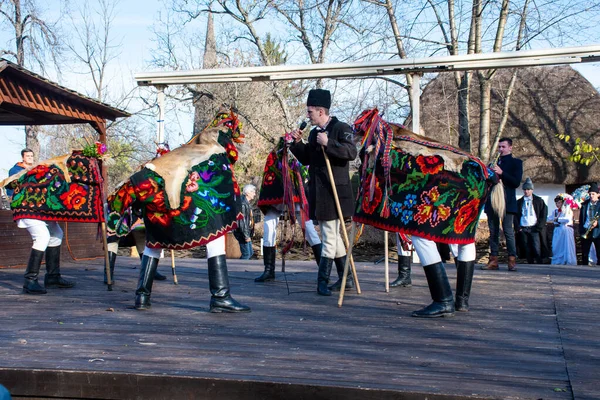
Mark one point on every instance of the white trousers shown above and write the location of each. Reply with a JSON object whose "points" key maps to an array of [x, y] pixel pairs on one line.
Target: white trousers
{"points": [[44, 233], [213, 248], [428, 253], [270, 229], [333, 245]]}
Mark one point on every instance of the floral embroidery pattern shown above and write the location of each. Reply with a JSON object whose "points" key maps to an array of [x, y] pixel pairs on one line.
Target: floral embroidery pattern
{"points": [[423, 198], [44, 193], [271, 191]]}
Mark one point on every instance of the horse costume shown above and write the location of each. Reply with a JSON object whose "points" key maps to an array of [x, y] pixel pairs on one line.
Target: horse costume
{"points": [[62, 189], [434, 192], [283, 188], [189, 197]]}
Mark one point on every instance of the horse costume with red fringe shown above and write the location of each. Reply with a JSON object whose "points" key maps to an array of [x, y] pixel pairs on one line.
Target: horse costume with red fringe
{"points": [[63, 189], [413, 185], [283, 180], [189, 196]]}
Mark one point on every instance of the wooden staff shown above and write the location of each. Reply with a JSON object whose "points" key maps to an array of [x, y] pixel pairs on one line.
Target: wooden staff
{"points": [[387, 262], [341, 217], [175, 281], [345, 276], [106, 258]]}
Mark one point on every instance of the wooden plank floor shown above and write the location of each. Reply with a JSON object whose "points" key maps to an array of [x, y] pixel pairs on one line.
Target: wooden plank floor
{"points": [[531, 334]]}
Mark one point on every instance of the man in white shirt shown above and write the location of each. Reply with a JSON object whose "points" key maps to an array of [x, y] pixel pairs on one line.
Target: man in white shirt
{"points": [[532, 213]]}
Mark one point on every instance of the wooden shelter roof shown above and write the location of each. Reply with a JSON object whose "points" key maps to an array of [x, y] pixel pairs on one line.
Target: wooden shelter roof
{"points": [[29, 99]]}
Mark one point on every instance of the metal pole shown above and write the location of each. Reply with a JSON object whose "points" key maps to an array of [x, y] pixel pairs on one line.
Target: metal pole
{"points": [[160, 135]]}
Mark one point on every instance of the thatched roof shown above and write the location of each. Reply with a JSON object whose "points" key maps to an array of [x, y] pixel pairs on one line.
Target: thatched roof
{"points": [[545, 101]]}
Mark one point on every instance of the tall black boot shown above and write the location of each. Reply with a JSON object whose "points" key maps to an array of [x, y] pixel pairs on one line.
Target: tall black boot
{"points": [[53, 278], [441, 293], [464, 281], [323, 276], [317, 252], [144, 289], [269, 261], [31, 285], [218, 281], [112, 258], [157, 275], [340, 263], [403, 279]]}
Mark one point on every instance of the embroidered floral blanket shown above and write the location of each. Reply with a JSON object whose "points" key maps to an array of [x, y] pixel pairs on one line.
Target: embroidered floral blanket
{"points": [[188, 196], [437, 193], [209, 208], [45, 193], [275, 185]]}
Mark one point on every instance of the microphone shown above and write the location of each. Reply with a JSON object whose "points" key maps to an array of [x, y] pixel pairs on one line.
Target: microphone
{"points": [[303, 125]]}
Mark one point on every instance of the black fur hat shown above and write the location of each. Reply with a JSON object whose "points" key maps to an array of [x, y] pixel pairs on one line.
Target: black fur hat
{"points": [[593, 188], [319, 98]]}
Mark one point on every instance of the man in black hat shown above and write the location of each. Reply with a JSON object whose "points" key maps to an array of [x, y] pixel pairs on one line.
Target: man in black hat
{"points": [[588, 221], [530, 221], [332, 138]]}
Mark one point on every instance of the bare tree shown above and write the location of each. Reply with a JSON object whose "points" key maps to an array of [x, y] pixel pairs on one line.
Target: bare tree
{"points": [[35, 40], [93, 48]]}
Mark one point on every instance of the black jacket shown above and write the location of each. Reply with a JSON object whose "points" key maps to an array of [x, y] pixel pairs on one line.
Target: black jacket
{"points": [[244, 229], [340, 150], [583, 217], [541, 213], [512, 173]]}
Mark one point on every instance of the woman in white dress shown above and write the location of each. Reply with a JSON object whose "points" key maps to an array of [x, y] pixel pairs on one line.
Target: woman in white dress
{"points": [[563, 240]]}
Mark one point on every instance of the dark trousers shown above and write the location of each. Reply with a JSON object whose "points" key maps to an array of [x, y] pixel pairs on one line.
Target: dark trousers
{"points": [[586, 244], [532, 245], [509, 233]]}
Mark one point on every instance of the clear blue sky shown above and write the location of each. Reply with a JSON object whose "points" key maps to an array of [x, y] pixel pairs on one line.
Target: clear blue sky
{"points": [[133, 27]]}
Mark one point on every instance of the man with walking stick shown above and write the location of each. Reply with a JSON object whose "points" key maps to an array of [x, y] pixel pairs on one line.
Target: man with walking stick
{"points": [[330, 139]]}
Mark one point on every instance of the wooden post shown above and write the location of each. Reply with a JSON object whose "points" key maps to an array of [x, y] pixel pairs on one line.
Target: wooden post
{"points": [[106, 258]]}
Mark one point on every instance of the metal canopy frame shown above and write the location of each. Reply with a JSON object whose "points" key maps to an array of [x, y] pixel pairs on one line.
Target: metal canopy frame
{"points": [[519, 59], [414, 66]]}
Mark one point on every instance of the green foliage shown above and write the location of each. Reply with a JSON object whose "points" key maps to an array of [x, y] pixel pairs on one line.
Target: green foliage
{"points": [[583, 153], [275, 54]]}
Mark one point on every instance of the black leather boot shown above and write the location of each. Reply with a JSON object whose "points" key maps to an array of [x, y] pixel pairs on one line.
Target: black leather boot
{"points": [[441, 293], [403, 279], [53, 278], [157, 275], [218, 281], [31, 285], [112, 258], [323, 276], [317, 252], [464, 281], [144, 289], [269, 261], [340, 262]]}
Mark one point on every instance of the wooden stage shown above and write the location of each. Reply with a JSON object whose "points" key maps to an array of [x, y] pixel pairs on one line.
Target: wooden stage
{"points": [[534, 334]]}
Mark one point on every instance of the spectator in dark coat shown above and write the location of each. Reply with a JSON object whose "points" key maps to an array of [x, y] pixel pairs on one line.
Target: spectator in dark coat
{"points": [[532, 213], [588, 220], [510, 171], [243, 233]]}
